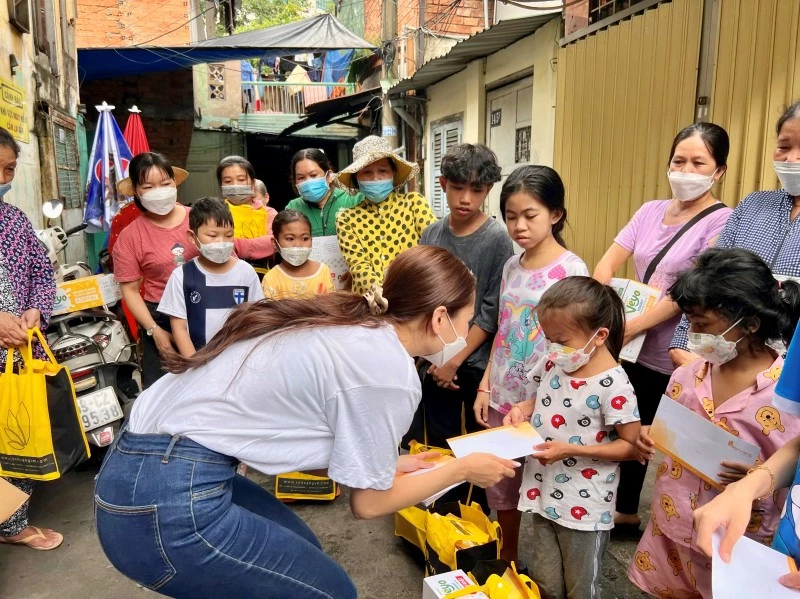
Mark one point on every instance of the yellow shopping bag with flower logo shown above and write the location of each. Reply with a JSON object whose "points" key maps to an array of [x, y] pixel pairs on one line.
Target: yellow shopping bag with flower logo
{"points": [[41, 435]]}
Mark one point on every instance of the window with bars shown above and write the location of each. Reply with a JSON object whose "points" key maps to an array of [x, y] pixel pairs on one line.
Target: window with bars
{"points": [[444, 135], [522, 145], [65, 144], [216, 81], [580, 14], [602, 9]]}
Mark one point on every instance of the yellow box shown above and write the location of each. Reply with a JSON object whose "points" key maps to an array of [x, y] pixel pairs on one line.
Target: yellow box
{"points": [[87, 292]]}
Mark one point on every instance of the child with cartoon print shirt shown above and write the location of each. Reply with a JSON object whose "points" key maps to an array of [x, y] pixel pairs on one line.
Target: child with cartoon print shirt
{"points": [[735, 307], [585, 408], [532, 203]]}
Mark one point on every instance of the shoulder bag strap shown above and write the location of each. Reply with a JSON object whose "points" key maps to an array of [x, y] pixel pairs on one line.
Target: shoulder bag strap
{"points": [[651, 268]]}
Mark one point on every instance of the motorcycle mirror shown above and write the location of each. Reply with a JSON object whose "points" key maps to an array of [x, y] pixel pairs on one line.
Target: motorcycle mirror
{"points": [[52, 209]]}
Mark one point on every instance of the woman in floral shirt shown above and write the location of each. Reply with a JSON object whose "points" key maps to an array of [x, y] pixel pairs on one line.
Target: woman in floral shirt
{"points": [[27, 292]]}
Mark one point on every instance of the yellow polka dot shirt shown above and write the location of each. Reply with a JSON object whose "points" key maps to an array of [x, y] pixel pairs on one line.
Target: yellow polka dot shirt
{"points": [[372, 235]]}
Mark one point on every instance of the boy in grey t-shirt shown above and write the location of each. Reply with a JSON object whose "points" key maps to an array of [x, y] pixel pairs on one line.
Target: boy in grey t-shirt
{"points": [[468, 173]]}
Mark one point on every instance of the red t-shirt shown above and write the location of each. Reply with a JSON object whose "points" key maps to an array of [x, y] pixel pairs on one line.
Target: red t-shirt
{"points": [[149, 252]]}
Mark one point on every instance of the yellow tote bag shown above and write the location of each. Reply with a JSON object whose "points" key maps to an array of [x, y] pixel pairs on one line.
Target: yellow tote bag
{"points": [[41, 435]]}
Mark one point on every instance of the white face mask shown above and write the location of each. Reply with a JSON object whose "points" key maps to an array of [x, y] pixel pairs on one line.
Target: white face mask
{"points": [[789, 175], [237, 194], [449, 350], [714, 348], [569, 359], [689, 186], [219, 252], [296, 256], [160, 201]]}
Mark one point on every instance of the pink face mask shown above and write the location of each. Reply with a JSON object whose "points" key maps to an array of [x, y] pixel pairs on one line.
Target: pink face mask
{"points": [[569, 359]]}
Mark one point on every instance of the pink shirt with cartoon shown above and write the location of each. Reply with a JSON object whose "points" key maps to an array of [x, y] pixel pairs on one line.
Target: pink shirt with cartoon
{"points": [[519, 343], [678, 492], [578, 493]]}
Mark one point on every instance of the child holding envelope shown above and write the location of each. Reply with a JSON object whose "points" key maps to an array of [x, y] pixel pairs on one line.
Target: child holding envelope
{"points": [[585, 409], [737, 312]]}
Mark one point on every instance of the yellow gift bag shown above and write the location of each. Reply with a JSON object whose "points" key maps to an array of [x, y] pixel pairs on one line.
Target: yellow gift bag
{"points": [[508, 584], [41, 435]]}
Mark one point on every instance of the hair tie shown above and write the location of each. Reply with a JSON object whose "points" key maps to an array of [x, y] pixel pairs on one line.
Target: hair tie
{"points": [[377, 303]]}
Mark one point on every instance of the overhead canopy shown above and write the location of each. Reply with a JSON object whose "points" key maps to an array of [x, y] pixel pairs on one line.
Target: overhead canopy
{"points": [[464, 52], [316, 34], [338, 110]]}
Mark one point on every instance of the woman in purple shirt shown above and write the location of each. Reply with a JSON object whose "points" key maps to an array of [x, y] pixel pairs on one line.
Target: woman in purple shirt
{"points": [[27, 292], [765, 222], [697, 160]]}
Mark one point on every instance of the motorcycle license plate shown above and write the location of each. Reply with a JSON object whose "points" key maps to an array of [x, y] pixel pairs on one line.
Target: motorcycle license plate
{"points": [[99, 408]]}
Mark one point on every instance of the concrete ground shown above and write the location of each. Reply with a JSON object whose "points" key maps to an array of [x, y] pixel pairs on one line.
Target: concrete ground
{"points": [[379, 563]]}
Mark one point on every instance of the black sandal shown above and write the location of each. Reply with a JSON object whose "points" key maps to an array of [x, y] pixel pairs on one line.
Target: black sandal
{"points": [[626, 531]]}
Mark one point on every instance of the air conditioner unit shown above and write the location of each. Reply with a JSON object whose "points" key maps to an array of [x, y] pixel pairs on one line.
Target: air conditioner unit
{"points": [[19, 15]]}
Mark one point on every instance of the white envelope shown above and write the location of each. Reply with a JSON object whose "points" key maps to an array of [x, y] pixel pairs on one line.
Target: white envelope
{"points": [[507, 442], [753, 571], [445, 459], [699, 444]]}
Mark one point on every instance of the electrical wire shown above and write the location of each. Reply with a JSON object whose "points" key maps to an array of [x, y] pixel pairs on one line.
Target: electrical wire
{"points": [[197, 16], [524, 4], [159, 52]]}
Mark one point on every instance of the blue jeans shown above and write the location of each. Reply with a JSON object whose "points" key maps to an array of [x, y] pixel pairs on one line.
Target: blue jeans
{"points": [[176, 518]]}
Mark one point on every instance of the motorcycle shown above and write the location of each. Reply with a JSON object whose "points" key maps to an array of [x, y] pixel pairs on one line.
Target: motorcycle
{"points": [[92, 344]]}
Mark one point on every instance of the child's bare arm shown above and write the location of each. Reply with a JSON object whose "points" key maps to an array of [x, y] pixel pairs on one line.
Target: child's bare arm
{"points": [[180, 333], [618, 450]]}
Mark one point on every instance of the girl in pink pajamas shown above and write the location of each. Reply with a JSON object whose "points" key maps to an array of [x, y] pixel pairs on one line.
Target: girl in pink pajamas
{"points": [[739, 315]]}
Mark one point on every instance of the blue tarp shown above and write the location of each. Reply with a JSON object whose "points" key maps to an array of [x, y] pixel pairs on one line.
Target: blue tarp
{"points": [[316, 34], [336, 64]]}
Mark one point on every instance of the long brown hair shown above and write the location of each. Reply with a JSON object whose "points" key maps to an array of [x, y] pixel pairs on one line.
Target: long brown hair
{"points": [[419, 280]]}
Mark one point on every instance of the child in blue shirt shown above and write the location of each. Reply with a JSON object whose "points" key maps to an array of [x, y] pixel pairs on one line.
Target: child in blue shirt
{"points": [[200, 294]]}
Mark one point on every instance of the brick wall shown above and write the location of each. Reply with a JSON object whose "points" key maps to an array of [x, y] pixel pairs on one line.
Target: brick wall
{"points": [[466, 19], [128, 22], [166, 102], [372, 21]]}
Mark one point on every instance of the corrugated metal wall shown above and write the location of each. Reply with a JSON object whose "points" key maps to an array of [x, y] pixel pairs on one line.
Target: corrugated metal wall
{"points": [[623, 94], [757, 73]]}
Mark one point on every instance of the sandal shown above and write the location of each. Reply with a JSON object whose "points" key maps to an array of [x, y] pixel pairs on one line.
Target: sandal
{"points": [[626, 530], [27, 541]]}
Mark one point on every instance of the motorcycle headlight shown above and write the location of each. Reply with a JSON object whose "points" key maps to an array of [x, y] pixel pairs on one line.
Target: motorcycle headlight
{"points": [[101, 340]]}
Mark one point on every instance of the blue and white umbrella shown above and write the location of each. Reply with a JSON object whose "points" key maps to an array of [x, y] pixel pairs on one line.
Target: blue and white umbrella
{"points": [[108, 164]]}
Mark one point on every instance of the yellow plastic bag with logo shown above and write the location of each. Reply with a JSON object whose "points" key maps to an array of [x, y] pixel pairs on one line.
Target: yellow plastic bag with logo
{"points": [[41, 435]]}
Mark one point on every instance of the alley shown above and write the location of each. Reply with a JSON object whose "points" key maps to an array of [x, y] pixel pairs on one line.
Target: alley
{"points": [[379, 563]]}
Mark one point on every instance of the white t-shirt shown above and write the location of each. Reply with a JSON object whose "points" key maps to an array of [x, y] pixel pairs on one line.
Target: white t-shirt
{"points": [[333, 397], [224, 291], [578, 493]]}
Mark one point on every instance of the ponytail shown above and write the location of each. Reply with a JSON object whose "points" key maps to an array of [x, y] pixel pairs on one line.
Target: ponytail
{"points": [[419, 280], [591, 305]]}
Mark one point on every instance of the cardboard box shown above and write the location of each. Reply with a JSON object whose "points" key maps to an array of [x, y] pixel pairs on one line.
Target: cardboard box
{"points": [[638, 298], [87, 292], [438, 586], [11, 499]]}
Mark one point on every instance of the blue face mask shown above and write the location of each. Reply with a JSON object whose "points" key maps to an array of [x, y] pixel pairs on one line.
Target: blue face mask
{"points": [[4, 188], [376, 191], [313, 190]]}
